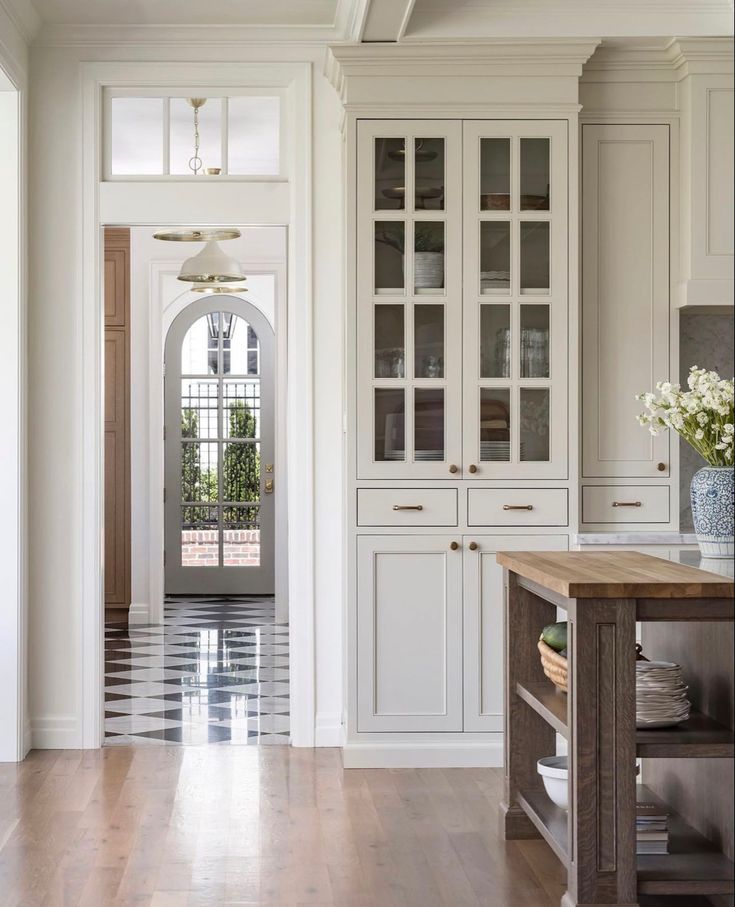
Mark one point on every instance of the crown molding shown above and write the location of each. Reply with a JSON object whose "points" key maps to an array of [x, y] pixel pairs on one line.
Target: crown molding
{"points": [[23, 15], [507, 56], [701, 56], [462, 68], [184, 35], [662, 61]]}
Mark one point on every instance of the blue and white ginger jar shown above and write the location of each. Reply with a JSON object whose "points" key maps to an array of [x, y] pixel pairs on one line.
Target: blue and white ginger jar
{"points": [[713, 509]]}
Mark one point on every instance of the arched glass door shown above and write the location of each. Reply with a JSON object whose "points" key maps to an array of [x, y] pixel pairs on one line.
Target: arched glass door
{"points": [[219, 478]]}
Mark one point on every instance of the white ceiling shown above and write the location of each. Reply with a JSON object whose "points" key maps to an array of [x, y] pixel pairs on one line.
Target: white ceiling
{"points": [[188, 12], [436, 20]]}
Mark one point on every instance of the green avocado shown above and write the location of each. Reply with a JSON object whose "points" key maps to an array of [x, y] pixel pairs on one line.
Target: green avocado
{"points": [[555, 635]]}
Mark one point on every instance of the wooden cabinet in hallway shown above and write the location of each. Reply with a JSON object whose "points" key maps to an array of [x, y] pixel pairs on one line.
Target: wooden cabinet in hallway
{"points": [[117, 417]]}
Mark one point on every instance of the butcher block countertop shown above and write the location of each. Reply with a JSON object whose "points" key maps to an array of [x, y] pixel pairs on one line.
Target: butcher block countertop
{"points": [[614, 574]]}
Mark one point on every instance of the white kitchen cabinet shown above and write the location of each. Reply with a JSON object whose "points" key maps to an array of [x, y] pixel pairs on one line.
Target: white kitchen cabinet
{"points": [[483, 623], [707, 188], [409, 298], [625, 296], [462, 299], [515, 299], [409, 633]]}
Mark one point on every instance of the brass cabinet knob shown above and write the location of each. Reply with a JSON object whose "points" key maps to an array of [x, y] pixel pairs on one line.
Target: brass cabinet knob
{"points": [[472, 468], [474, 546], [454, 545], [661, 467], [453, 469]]}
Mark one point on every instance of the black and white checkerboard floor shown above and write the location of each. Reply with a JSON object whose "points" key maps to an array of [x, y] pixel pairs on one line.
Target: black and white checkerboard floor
{"points": [[216, 671]]}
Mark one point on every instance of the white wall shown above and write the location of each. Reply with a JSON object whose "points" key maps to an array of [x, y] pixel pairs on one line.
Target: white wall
{"points": [[14, 737], [153, 269], [56, 390]]}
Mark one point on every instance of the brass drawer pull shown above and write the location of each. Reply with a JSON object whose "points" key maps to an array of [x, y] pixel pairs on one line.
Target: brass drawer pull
{"points": [[453, 469], [408, 506], [626, 504], [517, 506], [454, 546], [473, 546]]}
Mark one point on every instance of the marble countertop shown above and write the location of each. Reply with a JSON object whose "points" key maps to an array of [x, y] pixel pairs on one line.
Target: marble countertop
{"points": [[635, 538]]}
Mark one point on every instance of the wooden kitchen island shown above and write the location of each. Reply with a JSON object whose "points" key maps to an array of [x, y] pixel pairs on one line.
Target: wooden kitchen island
{"points": [[603, 594]]}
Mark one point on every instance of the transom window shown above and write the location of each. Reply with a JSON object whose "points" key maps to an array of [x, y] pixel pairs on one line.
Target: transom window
{"points": [[153, 135]]}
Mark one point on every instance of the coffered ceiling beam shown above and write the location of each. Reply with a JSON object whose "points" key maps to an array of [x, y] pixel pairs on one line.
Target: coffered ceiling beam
{"points": [[386, 20]]}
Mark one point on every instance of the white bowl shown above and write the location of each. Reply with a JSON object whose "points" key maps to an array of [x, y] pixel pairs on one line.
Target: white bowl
{"points": [[555, 774]]}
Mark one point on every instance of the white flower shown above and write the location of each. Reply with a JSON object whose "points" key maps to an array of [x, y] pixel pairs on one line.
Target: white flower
{"points": [[702, 418], [698, 435]]}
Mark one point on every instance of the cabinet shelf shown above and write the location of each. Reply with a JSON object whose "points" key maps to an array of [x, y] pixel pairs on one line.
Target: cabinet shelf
{"points": [[693, 866], [697, 738]]}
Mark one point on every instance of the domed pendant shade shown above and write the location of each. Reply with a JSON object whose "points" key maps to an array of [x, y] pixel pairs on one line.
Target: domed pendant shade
{"points": [[211, 265]]}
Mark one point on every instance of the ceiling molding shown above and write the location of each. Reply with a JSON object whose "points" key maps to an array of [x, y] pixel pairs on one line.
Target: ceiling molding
{"points": [[23, 15], [669, 60], [183, 35]]}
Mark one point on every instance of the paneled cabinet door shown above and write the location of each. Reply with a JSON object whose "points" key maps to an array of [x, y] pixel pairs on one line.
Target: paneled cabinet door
{"points": [[483, 623], [409, 633], [409, 298], [515, 299], [625, 296]]}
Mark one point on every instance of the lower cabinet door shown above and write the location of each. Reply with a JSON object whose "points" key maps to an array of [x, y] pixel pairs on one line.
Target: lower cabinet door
{"points": [[483, 623], [409, 633]]}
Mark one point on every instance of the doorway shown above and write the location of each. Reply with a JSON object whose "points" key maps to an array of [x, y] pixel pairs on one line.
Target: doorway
{"points": [[206, 389], [220, 483]]}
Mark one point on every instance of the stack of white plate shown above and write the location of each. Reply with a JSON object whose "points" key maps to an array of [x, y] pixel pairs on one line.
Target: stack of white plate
{"points": [[498, 450], [661, 694]]}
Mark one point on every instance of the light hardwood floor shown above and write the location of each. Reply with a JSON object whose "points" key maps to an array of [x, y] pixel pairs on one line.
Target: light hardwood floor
{"points": [[172, 826]]}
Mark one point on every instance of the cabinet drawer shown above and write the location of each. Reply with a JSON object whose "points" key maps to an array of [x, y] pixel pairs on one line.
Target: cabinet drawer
{"points": [[407, 507], [625, 504], [517, 507]]}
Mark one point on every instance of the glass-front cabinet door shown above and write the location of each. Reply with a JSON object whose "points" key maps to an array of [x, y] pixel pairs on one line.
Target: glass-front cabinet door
{"points": [[409, 299], [515, 299]]}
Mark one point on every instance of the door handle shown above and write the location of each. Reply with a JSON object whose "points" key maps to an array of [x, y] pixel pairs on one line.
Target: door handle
{"points": [[269, 486]]}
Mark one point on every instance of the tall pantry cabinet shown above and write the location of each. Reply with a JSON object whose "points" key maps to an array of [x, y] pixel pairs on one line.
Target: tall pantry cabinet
{"points": [[458, 417]]}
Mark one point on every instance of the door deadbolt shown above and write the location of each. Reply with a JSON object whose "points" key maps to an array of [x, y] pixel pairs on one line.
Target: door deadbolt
{"points": [[269, 486]]}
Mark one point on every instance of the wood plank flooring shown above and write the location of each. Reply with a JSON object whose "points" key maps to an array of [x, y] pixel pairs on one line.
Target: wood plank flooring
{"points": [[239, 826]]}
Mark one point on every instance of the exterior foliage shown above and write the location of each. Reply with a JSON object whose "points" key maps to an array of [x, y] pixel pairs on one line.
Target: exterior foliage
{"points": [[703, 415], [240, 472]]}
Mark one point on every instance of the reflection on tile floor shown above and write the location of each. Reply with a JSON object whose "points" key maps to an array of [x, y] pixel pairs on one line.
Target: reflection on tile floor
{"points": [[215, 672]]}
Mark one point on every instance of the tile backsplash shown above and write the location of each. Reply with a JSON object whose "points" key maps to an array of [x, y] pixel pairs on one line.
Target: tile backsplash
{"points": [[706, 341]]}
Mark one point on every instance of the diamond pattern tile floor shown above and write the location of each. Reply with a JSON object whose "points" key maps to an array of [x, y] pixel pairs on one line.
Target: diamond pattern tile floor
{"points": [[216, 671]]}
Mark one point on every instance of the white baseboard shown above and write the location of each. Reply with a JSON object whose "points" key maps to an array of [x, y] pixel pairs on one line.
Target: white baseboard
{"points": [[55, 733], [139, 613], [415, 754], [329, 730]]}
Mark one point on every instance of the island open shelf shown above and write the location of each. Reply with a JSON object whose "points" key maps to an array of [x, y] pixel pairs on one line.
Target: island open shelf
{"points": [[698, 737], [603, 594]]}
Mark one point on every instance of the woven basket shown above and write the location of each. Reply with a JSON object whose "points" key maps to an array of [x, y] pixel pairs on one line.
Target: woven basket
{"points": [[554, 665]]}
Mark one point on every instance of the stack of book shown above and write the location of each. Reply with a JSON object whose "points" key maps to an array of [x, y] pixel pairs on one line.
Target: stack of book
{"points": [[651, 828]]}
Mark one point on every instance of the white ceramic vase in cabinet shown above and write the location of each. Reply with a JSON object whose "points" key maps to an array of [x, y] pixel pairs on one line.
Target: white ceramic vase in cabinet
{"points": [[625, 300], [409, 633]]}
